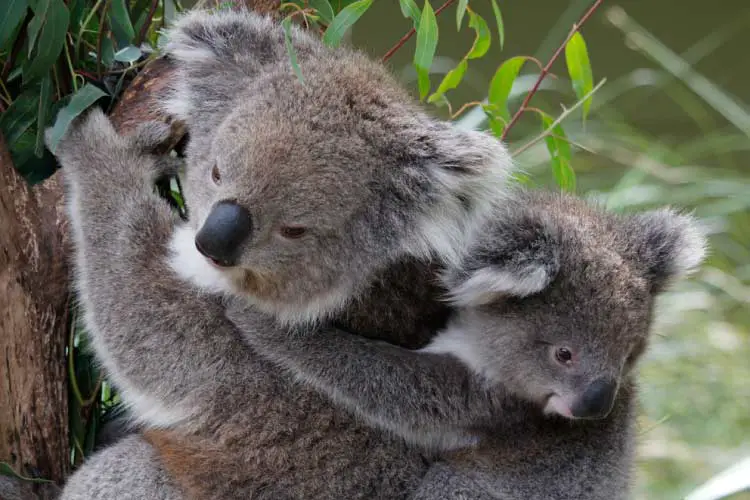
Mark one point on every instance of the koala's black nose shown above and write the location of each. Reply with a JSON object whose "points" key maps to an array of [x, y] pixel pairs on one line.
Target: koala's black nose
{"points": [[226, 228], [597, 400]]}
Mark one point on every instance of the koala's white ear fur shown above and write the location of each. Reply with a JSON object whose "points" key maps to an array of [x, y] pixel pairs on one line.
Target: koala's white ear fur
{"points": [[471, 170], [671, 245], [487, 284]]}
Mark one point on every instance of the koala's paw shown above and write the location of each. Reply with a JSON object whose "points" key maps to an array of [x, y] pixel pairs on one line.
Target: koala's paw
{"points": [[89, 132]]}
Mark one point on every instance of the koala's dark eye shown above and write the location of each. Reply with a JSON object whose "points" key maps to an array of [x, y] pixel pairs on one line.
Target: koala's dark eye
{"points": [[563, 355], [216, 175], [292, 232]]}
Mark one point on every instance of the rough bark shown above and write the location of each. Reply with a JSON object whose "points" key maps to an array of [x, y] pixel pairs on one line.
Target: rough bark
{"points": [[34, 294]]}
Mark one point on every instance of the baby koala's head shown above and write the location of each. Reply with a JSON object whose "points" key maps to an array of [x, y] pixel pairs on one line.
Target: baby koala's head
{"points": [[298, 191], [555, 298]]}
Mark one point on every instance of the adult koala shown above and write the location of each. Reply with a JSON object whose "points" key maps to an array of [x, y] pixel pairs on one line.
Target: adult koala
{"points": [[312, 199]]}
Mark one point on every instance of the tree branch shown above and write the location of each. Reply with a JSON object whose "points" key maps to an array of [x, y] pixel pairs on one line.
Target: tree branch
{"points": [[548, 66], [411, 33]]}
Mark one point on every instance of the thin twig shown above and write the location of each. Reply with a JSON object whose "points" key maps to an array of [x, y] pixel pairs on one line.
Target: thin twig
{"points": [[547, 67], [411, 33], [147, 23], [559, 120], [99, 38]]}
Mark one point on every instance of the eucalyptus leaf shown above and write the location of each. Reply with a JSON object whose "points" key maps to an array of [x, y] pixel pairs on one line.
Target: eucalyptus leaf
{"points": [[460, 12], [427, 39], [343, 21], [43, 107], [483, 37], [502, 83], [579, 69], [80, 102], [119, 18], [50, 23], [324, 9], [560, 153], [13, 13], [499, 22], [292, 54], [409, 9], [129, 54], [450, 81]]}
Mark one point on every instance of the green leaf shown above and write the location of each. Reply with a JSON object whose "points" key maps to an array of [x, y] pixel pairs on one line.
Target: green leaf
{"points": [[559, 150], [483, 37], [579, 69], [7, 470], [287, 25], [427, 38], [343, 21], [450, 81], [13, 13], [324, 9], [80, 102], [499, 21], [496, 121], [460, 11], [502, 82], [119, 18], [19, 116], [409, 9], [47, 37], [45, 101], [129, 54]]}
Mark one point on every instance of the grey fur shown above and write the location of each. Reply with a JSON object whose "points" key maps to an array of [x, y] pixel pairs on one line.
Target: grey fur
{"points": [[381, 186], [594, 277]]}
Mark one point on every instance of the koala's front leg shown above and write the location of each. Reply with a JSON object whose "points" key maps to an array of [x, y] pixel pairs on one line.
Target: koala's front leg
{"points": [[429, 399], [165, 345]]}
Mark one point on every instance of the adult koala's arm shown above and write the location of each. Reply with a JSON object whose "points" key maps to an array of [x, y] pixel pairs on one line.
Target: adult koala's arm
{"points": [[165, 344], [430, 399]]}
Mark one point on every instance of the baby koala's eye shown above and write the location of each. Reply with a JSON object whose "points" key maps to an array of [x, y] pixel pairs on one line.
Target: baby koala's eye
{"points": [[563, 355], [292, 232], [216, 175]]}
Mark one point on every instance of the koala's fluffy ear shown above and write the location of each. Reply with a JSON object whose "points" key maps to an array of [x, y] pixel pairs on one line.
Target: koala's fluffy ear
{"points": [[666, 244], [514, 259], [469, 172], [217, 54]]}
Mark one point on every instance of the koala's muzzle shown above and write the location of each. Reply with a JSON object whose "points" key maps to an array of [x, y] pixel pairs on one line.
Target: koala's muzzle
{"points": [[226, 228], [597, 400]]}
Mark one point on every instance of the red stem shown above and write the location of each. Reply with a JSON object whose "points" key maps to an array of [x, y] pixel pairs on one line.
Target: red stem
{"points": [[545, 70], [410, 33]]}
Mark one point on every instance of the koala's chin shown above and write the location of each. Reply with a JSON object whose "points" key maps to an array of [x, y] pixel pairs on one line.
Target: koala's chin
{"points": [[290, 304]]}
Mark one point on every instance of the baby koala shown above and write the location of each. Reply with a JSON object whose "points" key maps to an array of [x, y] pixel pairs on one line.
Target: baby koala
{"points": [[553, 306]]}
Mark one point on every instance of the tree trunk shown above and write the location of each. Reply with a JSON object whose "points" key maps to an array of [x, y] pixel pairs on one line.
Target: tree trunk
{"points": [[34, 292]]}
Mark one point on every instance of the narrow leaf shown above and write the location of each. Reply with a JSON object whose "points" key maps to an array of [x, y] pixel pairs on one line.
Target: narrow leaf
{"points": [[19, 116], [502, 83], [343, 21], [427, 38], [81, 101], [483, 37], [13, 13], [324, 9], [579, 69], [460, 11], [122, 26], [450, 81], [45, 101], [559, 150], [499, 21], [51, 28], [496, 121], [287, 25], [409, 9]]}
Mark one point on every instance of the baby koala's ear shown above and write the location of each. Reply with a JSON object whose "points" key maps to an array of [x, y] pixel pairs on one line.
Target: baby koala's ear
{"points": [[515, 260], [666, 244]]}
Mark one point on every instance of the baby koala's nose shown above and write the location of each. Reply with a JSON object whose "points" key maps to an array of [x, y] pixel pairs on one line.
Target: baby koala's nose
{"points": [[597, 400], [226, 228]]}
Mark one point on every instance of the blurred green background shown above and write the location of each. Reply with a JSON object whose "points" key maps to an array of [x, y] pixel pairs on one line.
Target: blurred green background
{"points": [[670, 126]]}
